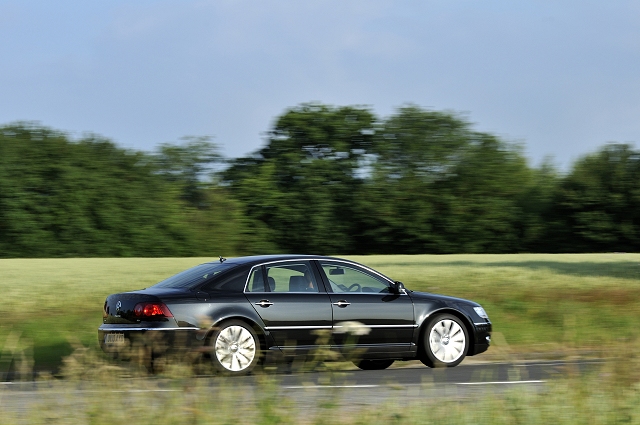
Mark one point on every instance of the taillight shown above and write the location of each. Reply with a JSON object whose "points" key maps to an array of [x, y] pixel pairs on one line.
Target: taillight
{"points": [[152, 310], [104, 310]]}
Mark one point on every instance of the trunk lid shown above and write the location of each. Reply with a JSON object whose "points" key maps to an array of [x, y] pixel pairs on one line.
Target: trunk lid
{"points": [[119, 308]]}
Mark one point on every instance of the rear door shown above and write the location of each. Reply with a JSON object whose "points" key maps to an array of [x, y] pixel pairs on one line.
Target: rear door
{"points": [[292, 302]]}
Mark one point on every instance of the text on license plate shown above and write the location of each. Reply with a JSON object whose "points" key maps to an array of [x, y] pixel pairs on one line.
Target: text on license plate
{"points": [[114, 339]]}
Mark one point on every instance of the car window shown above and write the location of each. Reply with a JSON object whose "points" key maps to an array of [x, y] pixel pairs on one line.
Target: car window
{"points": [[343, 278], [284, 277], [193, 276], [256, 282], [233, 281]]}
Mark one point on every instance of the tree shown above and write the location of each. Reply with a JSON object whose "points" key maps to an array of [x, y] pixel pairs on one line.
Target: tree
{"points": [[190, 165], [437, 186], [302, 186], [84, 198], [599, 202]]}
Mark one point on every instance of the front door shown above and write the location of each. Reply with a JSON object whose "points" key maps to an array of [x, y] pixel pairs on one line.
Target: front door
{"points": [[367, 315]]}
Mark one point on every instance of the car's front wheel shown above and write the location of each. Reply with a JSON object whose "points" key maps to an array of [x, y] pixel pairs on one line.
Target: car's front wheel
{"points": [[235, 348], [373, 364], [445, 341]]}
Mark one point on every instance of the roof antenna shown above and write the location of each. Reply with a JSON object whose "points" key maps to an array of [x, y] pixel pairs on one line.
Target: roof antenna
{"points": [[222, 260]]}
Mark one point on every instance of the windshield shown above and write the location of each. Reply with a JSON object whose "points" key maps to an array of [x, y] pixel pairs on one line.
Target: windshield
{"points": [[193, 276]]}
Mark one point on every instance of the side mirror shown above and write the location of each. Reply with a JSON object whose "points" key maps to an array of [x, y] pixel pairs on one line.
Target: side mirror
{"points": [[399, 287]]}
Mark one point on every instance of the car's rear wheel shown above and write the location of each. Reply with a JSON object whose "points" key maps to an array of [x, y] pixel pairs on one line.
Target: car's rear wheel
{"points": [[235, 348], [445, 341], [373, 364]]}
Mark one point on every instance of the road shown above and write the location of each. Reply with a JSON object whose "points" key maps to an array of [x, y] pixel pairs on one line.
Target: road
{"points": [[413, 383], [351, 388]]}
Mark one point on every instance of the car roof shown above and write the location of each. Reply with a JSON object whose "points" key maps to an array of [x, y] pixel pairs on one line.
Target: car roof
{"points": [[256, 259]]}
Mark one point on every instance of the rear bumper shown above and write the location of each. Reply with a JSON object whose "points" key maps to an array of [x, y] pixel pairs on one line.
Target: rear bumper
{"points": [[124, 342]]}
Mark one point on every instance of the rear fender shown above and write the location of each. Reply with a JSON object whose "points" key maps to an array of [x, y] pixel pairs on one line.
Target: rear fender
{"points": [[247, 315]]}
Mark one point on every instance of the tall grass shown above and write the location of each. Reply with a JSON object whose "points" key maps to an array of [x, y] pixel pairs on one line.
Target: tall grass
{"points": [[97, 393], [547, 304]]}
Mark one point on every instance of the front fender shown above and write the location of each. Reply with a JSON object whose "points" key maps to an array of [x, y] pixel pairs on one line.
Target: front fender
{"points": [[426, 309]]}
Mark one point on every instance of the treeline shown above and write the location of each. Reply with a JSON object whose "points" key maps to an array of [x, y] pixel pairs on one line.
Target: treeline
{"points": [[330, 180]]}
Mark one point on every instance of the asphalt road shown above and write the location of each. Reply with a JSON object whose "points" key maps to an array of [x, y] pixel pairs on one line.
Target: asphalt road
{"points": [[415, 382], [356, 388]]}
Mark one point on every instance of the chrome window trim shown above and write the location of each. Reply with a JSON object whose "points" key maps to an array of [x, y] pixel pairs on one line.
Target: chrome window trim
{"points": [[319, 259], [291, 260], [246, 284], [358, 265]]}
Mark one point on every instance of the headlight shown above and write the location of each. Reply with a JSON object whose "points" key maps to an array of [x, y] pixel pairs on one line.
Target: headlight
{"points": [[480, 312]]}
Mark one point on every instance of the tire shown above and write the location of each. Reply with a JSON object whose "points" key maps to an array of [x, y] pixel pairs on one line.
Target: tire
{"points": [[445, 341], [373, 364], [235, 348]]}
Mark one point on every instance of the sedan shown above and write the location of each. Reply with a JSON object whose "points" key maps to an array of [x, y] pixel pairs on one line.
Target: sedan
{"points": [[240, 310]]}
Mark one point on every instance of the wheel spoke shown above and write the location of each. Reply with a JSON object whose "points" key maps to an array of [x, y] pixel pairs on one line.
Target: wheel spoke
{"points": [[225, 360], [237, 366], [458, 342], [451, 323], [243, 358], [248, 345], [244, 337]]}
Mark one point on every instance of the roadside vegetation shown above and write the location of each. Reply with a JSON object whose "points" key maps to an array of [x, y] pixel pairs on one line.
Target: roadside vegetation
{"points": [[97, 392]]}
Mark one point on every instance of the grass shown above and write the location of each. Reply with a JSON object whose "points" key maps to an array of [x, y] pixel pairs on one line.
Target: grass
{"points": [[550, 304], [547, 304], [50, 303], [610, 395]]}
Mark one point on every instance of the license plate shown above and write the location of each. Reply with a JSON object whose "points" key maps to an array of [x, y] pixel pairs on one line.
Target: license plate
{"points": [[114, 339]]}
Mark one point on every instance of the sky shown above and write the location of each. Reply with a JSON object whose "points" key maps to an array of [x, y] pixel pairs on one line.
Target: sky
{"points": [[560, 77]]}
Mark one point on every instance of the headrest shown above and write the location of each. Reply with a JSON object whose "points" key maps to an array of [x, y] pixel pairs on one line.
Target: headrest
{"points": [[272, 283], [258, 283], [297, 284]]}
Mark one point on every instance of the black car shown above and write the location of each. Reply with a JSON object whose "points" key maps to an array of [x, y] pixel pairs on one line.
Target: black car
{"points": [[243, 308]]}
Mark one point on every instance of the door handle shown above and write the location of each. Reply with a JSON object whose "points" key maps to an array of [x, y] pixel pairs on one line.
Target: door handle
{"points": [[264, 303], [342, 303]]}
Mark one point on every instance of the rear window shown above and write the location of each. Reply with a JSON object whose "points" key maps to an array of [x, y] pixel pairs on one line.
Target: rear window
{"points": [[193, 276]]}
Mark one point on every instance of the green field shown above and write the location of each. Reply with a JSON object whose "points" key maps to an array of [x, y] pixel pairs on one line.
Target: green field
{"points": [[548, 305]]}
